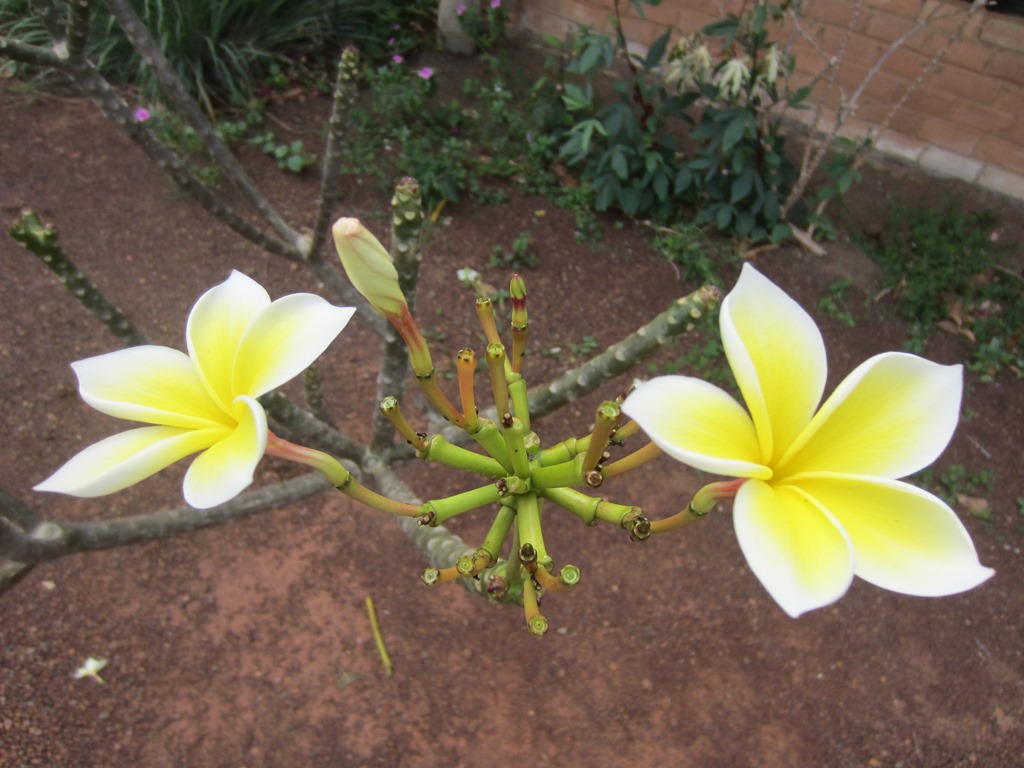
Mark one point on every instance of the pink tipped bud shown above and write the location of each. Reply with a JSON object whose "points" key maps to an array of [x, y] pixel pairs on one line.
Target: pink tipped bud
{"points": [[517, 291]]}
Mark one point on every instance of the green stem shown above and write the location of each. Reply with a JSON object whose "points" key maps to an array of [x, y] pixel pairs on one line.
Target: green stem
{"points": [[378, 638], [557, 454], [605, 421], [529, 528], [514, 435], [440, 451], [560, 475], [339, 476], [439, 510], [520, 402], [576, 502], [490, 439], [498, 532]]}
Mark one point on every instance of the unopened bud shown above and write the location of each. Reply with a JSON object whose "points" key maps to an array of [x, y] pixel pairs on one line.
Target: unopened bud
{"points": [[369, 267]]}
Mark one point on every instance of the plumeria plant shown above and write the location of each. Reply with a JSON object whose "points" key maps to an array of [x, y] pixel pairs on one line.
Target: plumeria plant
{"points": [[816, 488], [816, 493]]}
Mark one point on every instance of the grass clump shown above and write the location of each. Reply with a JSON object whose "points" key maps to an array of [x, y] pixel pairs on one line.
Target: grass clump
{"points": [[942, 268]]}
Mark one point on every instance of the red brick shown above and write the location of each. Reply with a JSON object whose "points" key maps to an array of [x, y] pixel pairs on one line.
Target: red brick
{"points": [[665, 15], [906, 65], [1008, 65], [1001, 152], [963, 83], [641, 31], [930, 101], [906, 8], [908, 123], [980, 117], [947, 135], [969, 55], [838, 13], [1006, 32], [1016, 132], [691, 21], [887, 26]]}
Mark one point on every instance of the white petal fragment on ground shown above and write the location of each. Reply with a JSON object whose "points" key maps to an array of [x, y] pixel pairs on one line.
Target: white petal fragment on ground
{"points": [[904, 539], [152, 384], [127, 458], [893, 415], [285, 339], [777, 355], [215, 328], [798, 553], [226, 469], [698, 424]]}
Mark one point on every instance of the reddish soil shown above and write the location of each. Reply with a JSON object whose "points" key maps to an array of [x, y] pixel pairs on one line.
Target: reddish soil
{"points": [[249, 644]]}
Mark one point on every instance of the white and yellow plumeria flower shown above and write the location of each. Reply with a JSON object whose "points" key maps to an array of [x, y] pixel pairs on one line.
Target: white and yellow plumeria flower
{"points": [[822, 503], [240, 346]]}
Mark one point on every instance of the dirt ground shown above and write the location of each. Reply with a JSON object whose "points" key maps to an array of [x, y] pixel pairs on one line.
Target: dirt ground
{"points": [[249, 644]]}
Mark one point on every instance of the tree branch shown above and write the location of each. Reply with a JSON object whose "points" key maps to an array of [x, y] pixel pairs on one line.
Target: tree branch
{"points": [[51, 539], [32, 54], [41, 240], [143, 42], [343, 98]]}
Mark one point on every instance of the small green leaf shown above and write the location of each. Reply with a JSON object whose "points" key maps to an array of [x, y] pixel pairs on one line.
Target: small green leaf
{"points": [[733, 133]]}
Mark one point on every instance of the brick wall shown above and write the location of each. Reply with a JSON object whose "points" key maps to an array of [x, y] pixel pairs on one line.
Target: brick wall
{"points": [[965, 120]]}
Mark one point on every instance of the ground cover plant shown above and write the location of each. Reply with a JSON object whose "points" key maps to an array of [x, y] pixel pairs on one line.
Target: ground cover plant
{"points": [[368, 733]]}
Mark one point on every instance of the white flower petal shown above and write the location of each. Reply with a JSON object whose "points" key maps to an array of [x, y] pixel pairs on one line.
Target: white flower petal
{"points": [[284, 340], [226, 469], [698, 424], [126, 458], [215, 328], [797, 551], [157, 385], [893, 415], [904, 539], [777, 356]]}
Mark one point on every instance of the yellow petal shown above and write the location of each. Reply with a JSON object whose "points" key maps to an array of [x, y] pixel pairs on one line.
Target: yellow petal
{"points": [[226, 468], [904, 539], [698, 424], [368, 265], [285, 339], [215, 328], [777, 356], [127, 458], [153, 384], [797, 551], [893, 415]]}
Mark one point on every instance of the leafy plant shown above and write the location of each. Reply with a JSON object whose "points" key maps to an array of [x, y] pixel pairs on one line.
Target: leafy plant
{"points": [[292, 156], [485, 26], [738, 175], [220, 49], [834, 304], [958, 486], [519, 256], [700, 256], [626, 149], [941, 268]]}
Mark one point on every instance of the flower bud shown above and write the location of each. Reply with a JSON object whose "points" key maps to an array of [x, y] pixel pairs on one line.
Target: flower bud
{"points": [[369, 267]]}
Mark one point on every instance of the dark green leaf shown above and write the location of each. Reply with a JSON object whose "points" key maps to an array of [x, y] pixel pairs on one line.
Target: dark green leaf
{"points": [[724, 215], [657, 50], [741, 185], [733, 133]]}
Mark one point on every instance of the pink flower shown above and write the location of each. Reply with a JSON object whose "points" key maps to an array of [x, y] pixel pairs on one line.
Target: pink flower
{"points": [[426, 73], [397, 58], [460, 10], [141, 115], [495, 3]]}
